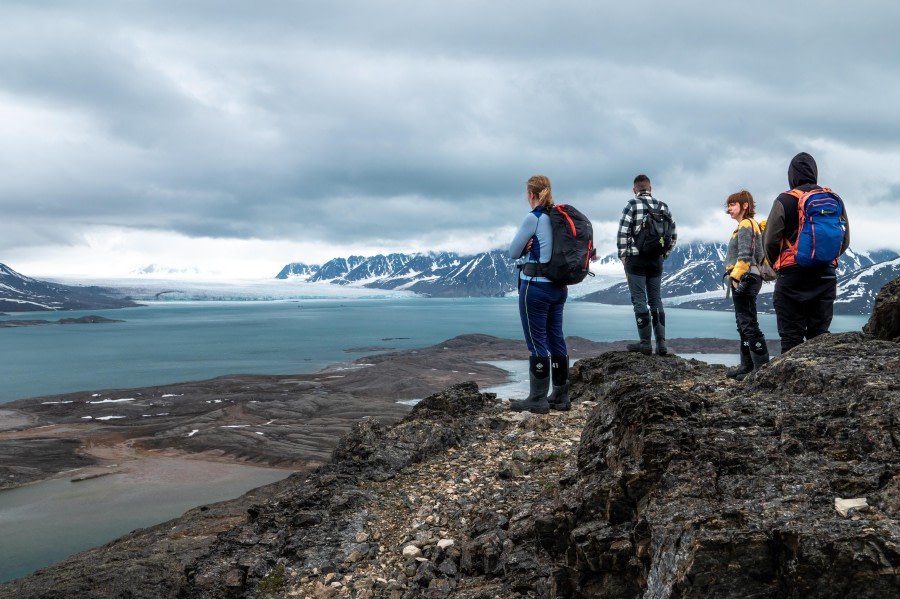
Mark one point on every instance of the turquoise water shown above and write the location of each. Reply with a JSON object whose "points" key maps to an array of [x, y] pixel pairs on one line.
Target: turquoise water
{"points": [[170, 342]]}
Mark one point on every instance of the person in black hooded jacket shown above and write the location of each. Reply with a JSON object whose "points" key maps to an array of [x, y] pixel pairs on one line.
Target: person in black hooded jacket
{"points": [[804, 296]]}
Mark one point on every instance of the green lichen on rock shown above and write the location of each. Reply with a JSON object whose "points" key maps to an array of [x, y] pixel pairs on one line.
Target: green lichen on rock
{"points": [[273, 582]]}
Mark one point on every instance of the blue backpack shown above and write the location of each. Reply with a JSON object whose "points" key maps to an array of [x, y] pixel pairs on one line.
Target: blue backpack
{"points": [[821, 230]]}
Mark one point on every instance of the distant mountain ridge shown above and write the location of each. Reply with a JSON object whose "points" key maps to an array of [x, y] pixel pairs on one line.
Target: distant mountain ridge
{"points": [[444, 274], [692, 278], [19, 293]]}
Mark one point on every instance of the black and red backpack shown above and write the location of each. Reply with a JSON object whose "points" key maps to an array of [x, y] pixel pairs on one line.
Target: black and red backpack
{"points": [[573, 246]]}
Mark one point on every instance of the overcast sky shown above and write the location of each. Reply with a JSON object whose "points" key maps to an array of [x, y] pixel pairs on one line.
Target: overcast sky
{"points": [[237, 137]]}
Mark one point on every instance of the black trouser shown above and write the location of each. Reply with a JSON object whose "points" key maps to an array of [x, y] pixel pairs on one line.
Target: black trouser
{"points": [[804, 303], [745, 309]]}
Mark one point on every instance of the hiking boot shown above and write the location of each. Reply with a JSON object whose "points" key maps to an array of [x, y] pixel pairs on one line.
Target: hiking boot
{"points": [[759, 352], [539, 381], [746, 365], [643, 326], [659, 330], [559, 398], [559, 375]]}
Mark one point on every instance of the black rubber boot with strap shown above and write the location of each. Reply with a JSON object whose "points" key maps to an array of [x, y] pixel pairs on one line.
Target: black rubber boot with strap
{"points": [[746, 365], [559, 375], [539, 385], [659, 331], [644, 346], [759, 352]]}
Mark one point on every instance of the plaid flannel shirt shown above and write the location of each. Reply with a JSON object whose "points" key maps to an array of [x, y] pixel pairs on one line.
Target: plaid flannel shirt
{"points": [[632, 217]]}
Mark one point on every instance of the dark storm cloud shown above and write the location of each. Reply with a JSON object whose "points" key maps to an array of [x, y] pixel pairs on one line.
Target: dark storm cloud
{"points": [[372, 121]]}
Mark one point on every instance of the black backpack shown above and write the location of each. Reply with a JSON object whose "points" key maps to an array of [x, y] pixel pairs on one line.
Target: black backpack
{"points": [[654, 237], [573, 247]]}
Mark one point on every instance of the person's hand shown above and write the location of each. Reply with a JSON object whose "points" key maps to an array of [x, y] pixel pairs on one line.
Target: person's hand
{"points": [[528, 246], [734, 283]]}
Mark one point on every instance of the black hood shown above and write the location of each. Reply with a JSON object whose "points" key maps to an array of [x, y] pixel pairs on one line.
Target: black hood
{"points": [[802, 171]]}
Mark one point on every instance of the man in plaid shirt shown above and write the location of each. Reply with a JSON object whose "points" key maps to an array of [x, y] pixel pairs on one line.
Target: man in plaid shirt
{"points": [[644, 273]]}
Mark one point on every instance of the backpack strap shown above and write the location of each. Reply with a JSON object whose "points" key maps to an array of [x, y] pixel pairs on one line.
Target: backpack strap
{"points": [[634, 221], [754, 231], [644, 201], [787, 249], [799, 194], [533, 269]]}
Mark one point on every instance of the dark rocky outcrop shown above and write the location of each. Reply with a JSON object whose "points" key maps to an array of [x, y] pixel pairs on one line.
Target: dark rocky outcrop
{"points": [[690, 488], [884, 323], [80, 320]]}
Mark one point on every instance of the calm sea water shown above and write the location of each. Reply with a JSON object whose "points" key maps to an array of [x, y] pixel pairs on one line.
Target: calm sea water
{"points": [[168, 342]]}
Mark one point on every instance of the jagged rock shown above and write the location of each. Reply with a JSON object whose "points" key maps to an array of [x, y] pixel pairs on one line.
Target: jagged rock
{"points": [[846, 507], [430, 428], [512, 469], [683, 492], [884, 322]]}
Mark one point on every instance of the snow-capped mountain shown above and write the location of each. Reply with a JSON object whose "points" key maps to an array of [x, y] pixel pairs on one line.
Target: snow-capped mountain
{"points": [[692, 277], [861, 275], [851, 261], [445, 274], [164, 272], [297, 270], [690, 270], [19, 293], [857, 289], [337, 268]]}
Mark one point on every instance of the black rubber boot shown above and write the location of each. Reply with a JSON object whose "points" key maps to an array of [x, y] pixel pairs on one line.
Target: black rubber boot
{"points": [[746, 365], [559, 375], [643, 325], [659, 330], [539, 379], [759, 352]]}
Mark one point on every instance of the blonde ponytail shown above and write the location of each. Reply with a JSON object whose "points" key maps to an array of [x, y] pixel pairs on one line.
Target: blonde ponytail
{"points": [[539, 185]]}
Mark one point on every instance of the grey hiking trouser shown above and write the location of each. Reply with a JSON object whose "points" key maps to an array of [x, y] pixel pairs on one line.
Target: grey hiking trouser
{"points": [[644, 284]]}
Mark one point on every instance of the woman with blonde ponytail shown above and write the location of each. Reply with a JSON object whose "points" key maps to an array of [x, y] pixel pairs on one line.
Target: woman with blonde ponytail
{"points": [[541, 304]]}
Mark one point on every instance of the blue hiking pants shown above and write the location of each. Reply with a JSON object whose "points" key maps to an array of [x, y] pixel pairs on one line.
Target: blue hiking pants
{"points": [[541, 310]]}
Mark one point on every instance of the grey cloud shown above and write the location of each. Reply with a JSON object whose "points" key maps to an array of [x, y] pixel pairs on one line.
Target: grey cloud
{"points": [[268, 119]]}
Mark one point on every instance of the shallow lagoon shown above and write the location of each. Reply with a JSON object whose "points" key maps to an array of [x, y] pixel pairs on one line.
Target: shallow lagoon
{"points": [[45, 522]]}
